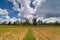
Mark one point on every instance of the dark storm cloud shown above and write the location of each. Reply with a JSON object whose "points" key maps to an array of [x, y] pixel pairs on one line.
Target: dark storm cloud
{"points": [[49, 8]]}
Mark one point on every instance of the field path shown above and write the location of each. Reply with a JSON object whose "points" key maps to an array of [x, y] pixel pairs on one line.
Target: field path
{"points": [[14, 34]]}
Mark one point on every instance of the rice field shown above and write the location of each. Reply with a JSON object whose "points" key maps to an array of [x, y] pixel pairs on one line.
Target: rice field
{"points": [[11, 32], [47, 33]]}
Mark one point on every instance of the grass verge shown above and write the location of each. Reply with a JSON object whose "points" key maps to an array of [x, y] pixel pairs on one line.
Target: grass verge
{"points": [[29, 35]]}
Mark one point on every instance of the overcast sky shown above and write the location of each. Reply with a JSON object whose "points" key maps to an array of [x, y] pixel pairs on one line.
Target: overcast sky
{"points": [[21, 9]]}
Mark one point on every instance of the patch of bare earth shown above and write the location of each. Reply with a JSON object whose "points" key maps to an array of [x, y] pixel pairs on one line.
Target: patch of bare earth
{"points": [[13, 34]]}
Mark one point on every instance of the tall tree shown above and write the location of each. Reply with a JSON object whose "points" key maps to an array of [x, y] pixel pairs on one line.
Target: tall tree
{"points": [[27, 21], [4, 22], [39, 22], [34, 21], [9, 23]]}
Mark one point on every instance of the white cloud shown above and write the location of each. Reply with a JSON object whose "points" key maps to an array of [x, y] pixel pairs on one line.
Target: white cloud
{"points": [[51, 19], [25, 9], [4, 15], [3, 12], [25, 6], [12, 20], [1, 20], [43, 8]]}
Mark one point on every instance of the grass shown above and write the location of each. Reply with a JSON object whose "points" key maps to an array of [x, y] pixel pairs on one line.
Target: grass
{"points": [[10, 26], [29, 35]]}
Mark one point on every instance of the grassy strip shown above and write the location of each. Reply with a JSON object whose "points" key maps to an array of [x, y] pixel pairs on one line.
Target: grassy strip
{"points": [[29, 35], [12, 26]]}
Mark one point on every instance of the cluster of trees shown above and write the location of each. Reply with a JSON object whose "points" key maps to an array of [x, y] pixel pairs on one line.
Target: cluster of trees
{"points": [[11, 23], [27, 22]]}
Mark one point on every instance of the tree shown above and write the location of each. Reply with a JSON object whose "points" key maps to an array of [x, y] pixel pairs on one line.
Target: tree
{"points": [[14, 23], [27, 21], [34, 21], [56, 22], [9, 23], [17, 22], [4, 22], [39, 22]]}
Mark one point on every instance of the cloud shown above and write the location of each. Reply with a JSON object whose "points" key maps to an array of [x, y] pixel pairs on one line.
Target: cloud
{"points": [[3, 12], [12, 20], [52, 20], [4, 15], [43, 8], [48, 8], [1, 20], [24, 9]]}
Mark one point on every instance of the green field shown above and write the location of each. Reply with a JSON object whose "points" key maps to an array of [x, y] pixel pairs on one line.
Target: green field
{"points": [[20, 32]]}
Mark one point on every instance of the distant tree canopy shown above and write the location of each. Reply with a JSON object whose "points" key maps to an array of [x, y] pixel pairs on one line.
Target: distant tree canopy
{"points": [[26, 21], [39, 22], [34, 21], [9, 23], [16, 22], [4, 22]]}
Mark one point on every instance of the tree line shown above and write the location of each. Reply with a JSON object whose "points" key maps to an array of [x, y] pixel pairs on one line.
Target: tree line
{"points": [[28, 23]]}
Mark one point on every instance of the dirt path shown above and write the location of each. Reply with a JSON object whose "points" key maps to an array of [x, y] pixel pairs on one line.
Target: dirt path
{"points": [[17, 34]]}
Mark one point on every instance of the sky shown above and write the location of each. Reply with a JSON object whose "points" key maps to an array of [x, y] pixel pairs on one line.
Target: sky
{"points": [[46, 10]]}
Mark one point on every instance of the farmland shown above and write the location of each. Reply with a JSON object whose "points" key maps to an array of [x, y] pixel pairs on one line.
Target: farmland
{"points": [[12, 33], [47, 33], [19, 32]]}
